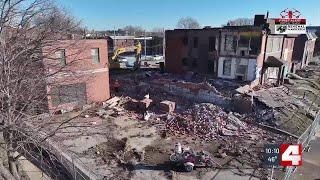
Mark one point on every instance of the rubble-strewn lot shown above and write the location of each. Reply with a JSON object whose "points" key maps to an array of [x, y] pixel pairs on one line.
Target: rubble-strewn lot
{"points": [[291, 107], [132, 135], [131, 148]]}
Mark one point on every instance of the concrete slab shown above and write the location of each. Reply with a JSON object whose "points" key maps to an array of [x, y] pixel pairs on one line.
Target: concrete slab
{"points": [[196, 175]]}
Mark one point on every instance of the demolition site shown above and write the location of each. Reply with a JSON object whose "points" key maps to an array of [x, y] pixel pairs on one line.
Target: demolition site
{"points": [[182, 104], [152, 116]]}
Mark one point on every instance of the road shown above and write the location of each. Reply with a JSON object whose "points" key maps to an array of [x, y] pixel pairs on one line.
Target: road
{"points": [[310, 168]]}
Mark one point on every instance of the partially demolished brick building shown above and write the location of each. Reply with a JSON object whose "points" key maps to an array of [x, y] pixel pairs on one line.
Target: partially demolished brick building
{"points": [[246, 53]]}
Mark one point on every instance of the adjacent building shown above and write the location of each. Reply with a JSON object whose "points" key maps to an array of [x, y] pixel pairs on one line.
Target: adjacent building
{"points": [[276, 57], [304, 48], [78, 73], [239, 49], [316, 31], [245, 53], [192, 50]]}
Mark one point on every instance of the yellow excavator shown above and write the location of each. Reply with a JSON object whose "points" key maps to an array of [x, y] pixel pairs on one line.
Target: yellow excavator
{"points": [[114, 63]]}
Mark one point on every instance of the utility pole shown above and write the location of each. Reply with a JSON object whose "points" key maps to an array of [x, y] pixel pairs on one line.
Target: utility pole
{"points": [[265, 46], [164, 44], [114, 37], [145, 46]]}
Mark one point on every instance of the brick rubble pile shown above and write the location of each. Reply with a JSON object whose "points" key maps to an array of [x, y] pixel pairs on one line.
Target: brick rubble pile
{"points": [[206, 121]]}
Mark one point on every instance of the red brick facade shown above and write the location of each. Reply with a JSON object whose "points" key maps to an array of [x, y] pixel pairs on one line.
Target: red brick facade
{"points": [[83, 79]]}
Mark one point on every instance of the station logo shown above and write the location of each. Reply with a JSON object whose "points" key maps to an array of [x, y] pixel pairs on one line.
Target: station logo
{"points": [[290, 22], [290, 155], [282, 155]]}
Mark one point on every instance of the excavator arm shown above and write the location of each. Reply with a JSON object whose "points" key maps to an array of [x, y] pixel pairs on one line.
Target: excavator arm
{"points": [[117, 52], [137, 50]]}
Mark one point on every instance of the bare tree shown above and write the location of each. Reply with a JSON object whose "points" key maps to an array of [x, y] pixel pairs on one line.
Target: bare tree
{"points": [[26, 27], [240, 22], [188, 23], [158, 31], [134, 30]]}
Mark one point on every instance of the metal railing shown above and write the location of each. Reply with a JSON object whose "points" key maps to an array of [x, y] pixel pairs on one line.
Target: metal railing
{"points": [[73, 164]]}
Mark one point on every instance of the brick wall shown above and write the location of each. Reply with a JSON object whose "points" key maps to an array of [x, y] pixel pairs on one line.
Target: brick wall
{"points": [[197, 92], [80, 68], [194, 46], [174, 55]]}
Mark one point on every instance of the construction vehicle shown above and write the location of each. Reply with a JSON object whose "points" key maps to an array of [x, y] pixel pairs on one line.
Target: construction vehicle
{"points": [[114, 63]]}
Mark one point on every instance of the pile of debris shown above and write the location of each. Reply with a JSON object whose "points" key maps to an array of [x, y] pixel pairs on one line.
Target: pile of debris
{"points": [[206, 121], [112, 107]]}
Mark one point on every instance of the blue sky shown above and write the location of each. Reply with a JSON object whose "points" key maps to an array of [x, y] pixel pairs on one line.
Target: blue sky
{"points": [[109, 14]]}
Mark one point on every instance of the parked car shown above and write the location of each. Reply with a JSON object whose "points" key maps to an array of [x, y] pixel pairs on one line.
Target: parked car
{"points": [[122, 60], [157, 57]]}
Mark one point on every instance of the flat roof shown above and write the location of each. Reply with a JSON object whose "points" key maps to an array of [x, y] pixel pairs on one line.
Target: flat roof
{"points": [[121, 37], [249, 27], [143, 38], [203, 29]]}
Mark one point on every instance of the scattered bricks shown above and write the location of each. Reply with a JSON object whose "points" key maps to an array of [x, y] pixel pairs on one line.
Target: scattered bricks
{"points": [[88, 106], [111, 102], [226, 132], [145, 103], [105, 116], [242, 104], [167, 106], [101, 112], [206, 121], [133, 104], [139, 106], [224, 155]]}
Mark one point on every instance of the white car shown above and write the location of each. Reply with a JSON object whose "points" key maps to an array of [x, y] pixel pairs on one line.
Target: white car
{"points": [[157, 57], [122, 60]]}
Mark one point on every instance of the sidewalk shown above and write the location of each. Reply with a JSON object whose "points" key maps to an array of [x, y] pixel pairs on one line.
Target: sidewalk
{"points": [[31, 170], [310, 168]]}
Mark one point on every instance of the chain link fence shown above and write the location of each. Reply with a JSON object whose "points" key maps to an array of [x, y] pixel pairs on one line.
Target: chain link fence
{"points": [[304, 140]]}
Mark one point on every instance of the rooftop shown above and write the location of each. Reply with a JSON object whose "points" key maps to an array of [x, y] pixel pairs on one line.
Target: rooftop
{"points": [[240, 28], [121, 37], [143, 38]]}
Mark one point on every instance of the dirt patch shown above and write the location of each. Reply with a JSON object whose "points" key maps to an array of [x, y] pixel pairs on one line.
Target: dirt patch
{"points": [[212, 147], [107, 151], [156, 155]]}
